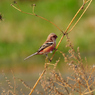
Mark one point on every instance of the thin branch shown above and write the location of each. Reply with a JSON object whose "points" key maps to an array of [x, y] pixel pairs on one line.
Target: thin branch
{"points": [[80, 16], [38, 79], [35, 15]]}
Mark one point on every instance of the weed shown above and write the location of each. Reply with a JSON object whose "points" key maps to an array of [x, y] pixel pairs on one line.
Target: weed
{"points": [[82, 79]]}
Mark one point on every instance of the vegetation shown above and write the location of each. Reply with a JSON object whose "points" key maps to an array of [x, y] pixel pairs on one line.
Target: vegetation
{"points": [[20, 33], [16, 43]]}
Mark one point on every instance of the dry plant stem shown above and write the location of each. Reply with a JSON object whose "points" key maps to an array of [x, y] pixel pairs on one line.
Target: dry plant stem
{"points": [[81, 65], [9, 91], [88, 80], [88, 85], [14, 82], [41, 18], [60, 39], [49, 21], [73, 19], [80, 16], [55, 24], [8, 81], [89, 92], [66, 83], [22, 92], [91, 73], [70, 25], [24, 83], [46, 66], [63, 86], [35, 15]]}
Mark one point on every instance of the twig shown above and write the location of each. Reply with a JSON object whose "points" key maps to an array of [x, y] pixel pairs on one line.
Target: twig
{"points": [[35, 15], [38, 79], [70, 25], [81, 15], [14, 82], [64, 34]]}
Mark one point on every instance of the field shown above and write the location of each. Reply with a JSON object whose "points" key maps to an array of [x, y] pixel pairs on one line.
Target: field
{"points": [[22, 34]]}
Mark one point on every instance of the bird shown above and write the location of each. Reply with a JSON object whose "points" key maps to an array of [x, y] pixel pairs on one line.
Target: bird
{"points": [[47, 47]]}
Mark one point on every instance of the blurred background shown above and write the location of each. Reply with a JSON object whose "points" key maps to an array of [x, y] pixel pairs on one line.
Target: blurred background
{"points": [[22, 34]]}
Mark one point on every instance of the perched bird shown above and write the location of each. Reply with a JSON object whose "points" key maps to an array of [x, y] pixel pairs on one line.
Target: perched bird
{"points": [[47, 47]]}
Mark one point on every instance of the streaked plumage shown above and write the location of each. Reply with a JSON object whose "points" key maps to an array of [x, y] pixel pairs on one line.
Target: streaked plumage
{"points": [[47, 47]]}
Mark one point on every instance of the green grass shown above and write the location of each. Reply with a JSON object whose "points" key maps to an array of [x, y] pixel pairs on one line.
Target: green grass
{"points": [[22, 34]]}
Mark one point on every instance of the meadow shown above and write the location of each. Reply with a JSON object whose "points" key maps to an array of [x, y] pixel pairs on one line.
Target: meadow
{"points": [[22, 34]]}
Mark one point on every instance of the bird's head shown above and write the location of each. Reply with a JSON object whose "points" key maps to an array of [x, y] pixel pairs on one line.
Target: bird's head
{"points": [[52, 36]]}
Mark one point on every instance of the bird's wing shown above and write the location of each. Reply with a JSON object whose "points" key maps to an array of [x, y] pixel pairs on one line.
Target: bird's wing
{"points": [[45, 46]]}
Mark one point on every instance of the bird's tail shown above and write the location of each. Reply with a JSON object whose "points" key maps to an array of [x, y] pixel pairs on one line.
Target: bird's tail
{"points": [[30, 56]]}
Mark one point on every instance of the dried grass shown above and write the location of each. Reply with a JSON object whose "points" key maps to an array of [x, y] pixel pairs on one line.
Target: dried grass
{"points": [[82, 79]]}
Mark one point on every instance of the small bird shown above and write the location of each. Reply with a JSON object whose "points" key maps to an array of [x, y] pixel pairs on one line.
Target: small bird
{"points": [[47, 47]]}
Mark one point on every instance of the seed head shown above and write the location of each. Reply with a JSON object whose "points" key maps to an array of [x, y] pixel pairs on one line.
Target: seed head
{"points": [[33, 4], [0, 17]]}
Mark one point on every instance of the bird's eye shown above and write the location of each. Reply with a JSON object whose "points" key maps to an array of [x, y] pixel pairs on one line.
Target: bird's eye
{"points": [[55, 36]]}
